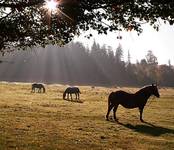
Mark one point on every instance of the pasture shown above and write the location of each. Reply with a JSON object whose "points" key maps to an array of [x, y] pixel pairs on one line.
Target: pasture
{"points": [[44, 121]]}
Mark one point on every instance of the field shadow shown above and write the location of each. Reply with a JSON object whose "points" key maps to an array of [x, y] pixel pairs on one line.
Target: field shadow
{"points": [[69, 100], [75, 101], [148, 128]]}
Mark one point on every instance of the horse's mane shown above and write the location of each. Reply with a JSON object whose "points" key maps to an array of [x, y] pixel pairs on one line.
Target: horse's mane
{"points": [[144, 88]]}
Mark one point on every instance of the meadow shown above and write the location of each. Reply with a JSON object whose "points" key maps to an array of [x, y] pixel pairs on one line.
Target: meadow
{"points": [[44, 121]]}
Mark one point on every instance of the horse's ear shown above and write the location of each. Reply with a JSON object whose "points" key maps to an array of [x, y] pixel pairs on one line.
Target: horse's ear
{"points": [[154, 84]]}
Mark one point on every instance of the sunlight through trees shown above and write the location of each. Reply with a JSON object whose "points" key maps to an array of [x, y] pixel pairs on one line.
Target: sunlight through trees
{"points": [[25, 23]]}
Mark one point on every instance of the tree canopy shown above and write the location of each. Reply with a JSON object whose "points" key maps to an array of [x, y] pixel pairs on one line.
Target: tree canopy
{"points": [[27, 23]]}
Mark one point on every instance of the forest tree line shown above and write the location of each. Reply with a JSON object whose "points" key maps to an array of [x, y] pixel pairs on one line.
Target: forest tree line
{"points": [[75, 64]]}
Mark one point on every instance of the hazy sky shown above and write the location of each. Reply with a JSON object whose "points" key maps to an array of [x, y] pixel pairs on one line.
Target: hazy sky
{"points": [[161, 43]]}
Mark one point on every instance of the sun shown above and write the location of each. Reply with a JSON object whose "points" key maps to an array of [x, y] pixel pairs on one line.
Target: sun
{"points": [[51, 5]]}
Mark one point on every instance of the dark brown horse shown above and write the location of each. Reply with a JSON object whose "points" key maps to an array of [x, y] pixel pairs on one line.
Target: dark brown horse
{"points": [[128, 100], [38, 86], [70, 91]]}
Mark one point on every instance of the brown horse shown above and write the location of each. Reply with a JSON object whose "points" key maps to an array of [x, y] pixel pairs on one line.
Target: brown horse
{"points": [[38, 86], [70, 91], [128, 100]]}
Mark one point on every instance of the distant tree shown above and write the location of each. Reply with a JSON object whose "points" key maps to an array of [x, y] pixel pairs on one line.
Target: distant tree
{"points": [[142, 72], [151, 58], [128, 58], [111, 56], [166, 74], [152, 68], [76, 64], [131, 70], [119, 54], [169, 63], [120, 69], [95, 48], [27, 23], [143, 62]]}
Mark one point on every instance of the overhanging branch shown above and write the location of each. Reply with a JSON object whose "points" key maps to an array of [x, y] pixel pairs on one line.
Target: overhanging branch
{"points": [[21, 4]]}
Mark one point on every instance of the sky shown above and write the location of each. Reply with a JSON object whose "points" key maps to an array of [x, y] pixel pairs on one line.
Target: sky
{"points": [[161, 43]]}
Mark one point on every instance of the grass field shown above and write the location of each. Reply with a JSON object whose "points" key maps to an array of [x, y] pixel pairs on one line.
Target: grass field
{"points": [[33, 121]]}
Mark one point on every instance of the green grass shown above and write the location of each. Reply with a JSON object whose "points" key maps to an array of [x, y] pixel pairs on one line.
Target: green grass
{"points": [[33, 121]]}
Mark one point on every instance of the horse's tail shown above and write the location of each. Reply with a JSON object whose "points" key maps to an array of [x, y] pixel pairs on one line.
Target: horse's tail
{"points": [[110, 98], [64, 94], [44, 89], [32, 88]]}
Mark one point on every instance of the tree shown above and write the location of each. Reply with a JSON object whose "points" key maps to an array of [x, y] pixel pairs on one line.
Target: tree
{"points": [[166, 74], [128, 58], [27, 23], [151, 58], [119, 54], [142, 72], [152, 68]]}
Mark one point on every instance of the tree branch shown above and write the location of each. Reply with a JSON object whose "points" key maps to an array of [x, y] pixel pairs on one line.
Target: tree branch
{"points": [[21, 4]]}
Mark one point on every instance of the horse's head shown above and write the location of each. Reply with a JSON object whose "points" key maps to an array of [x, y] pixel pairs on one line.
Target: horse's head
{"points": [[155, 90]]}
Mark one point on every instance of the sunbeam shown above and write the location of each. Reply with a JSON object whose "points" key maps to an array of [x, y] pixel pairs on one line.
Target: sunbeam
{"points": [[51, 5]]}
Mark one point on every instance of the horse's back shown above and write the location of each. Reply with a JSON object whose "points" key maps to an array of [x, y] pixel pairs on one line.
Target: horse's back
{"points": [[39, 86], [127, 100], [68, 90], [34, 84], [72, 90], [119, 96], [120, 93]]}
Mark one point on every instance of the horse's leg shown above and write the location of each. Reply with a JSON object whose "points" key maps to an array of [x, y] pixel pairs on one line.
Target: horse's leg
{"points": [[114, 112], [141, 113], [71, 96], [76, 95], [68, 96], [109, 109]]}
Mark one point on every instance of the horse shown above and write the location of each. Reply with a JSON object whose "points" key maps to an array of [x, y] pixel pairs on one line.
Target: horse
{"points": [[130, 101], [38, 86], [70, 91]]}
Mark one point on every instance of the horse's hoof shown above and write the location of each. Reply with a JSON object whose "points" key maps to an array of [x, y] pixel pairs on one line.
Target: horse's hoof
{"points": [[116, 120], [142, 120]]}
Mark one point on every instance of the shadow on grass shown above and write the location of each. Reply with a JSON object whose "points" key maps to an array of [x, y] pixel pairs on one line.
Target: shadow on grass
{"points": [[57, 99], [69, 100], [148, 128], [75, 101]]}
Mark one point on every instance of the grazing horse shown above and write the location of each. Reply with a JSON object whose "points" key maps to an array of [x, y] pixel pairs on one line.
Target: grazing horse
{"points": [[127, 100], [38, 86], [70, 91]]}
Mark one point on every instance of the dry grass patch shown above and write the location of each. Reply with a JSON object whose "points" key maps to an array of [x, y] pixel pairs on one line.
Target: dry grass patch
{"points": [[46, 121]]}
